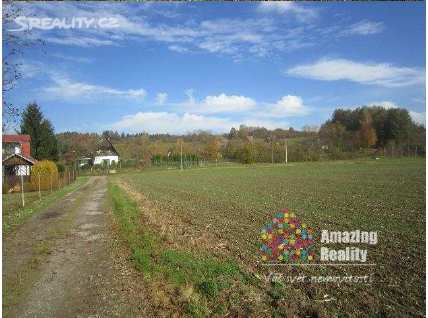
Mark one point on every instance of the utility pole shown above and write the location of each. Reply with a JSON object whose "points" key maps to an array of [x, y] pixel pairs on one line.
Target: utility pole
{"points": [[286, 151]]}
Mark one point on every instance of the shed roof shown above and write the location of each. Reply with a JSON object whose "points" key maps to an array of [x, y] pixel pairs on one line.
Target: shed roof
{"points": [[17, 159]]}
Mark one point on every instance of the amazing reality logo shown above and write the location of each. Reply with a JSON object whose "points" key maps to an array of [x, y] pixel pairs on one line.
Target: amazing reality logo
{"points": [[287, 240]]}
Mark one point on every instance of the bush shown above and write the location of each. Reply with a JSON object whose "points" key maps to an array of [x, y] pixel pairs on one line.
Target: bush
{"points": [[48, 172], [60, 167]]}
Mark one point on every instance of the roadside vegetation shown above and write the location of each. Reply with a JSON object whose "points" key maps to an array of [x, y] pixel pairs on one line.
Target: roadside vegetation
{"points": [[194, 236], [13, 212], [180, 281]]}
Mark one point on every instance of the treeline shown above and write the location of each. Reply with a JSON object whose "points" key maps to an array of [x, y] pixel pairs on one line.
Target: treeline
{"points": [[364, 131], [245, 144], [373, 128]]}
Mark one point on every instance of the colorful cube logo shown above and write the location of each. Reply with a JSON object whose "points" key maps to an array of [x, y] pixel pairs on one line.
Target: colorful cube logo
{"points": [[287, 240]]}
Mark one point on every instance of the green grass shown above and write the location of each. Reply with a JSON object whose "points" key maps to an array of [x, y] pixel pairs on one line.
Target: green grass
{"points": [[178, 268], [13, 212], [387, 196]]}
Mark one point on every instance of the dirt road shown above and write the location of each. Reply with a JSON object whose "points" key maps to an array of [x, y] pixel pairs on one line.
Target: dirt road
{"points": [[66, 262]]}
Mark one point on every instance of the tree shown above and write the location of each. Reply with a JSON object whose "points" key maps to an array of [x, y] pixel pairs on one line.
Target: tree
{"points": [[333, 134], [350, 119], [43, 141], [213, 149], [368, 135], [15, 44], [398, 125], [233, 133], [369, 126]]}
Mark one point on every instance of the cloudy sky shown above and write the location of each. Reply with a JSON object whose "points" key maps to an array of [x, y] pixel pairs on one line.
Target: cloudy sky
{"points": [[179, 67]]}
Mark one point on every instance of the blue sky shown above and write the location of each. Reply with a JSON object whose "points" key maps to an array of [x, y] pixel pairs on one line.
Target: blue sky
{"points": [[180, 67]]}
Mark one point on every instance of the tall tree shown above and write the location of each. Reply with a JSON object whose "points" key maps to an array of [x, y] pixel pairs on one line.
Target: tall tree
{"points": [[368, 135], [43, 141], [398, 124], [213, 149], [15, 45]]}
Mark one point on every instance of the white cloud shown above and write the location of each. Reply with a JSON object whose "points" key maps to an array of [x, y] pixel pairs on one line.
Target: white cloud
{"points": [[67, 89], [419, 100], [165, 122], [174, 123], [178, 48], [385, 104], [238, 37], [283, 7], [79, 41], [382, 74], [419, 118], [221, 103], [227, 103], [76, 59], [190, 99], [276, 6], [364, 28], [288, 106], [30, 69], [161, 98]]}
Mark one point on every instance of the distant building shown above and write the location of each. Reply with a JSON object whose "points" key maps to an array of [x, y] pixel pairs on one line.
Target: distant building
{"points": [[106, 153], [84, 162], [16, 155]]}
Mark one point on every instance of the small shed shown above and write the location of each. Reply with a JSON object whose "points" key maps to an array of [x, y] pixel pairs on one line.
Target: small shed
{"points": [[84, 162], [18, 165], [17, 160]]}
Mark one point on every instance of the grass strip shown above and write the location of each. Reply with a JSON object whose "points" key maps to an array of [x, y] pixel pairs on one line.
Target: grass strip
{"points": [[200, 281], [14, 217]]}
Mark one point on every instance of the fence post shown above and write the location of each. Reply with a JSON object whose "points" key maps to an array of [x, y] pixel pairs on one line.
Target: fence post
{"points": [[68, 177], [50, 180], [22, 191], [40, 193]]}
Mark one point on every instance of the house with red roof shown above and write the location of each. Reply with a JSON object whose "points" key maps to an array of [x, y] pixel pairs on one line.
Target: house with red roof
{"points": [[16, 155]]}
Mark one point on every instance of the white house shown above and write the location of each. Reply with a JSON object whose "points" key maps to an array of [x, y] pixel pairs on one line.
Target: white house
{"points": [[106, 153]]}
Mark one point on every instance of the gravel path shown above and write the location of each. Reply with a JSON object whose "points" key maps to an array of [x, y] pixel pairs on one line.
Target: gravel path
{"points": [[64, 262]]}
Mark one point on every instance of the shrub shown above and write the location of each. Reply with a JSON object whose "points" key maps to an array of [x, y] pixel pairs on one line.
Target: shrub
{"points": [[48, 172], [60, 167]]}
